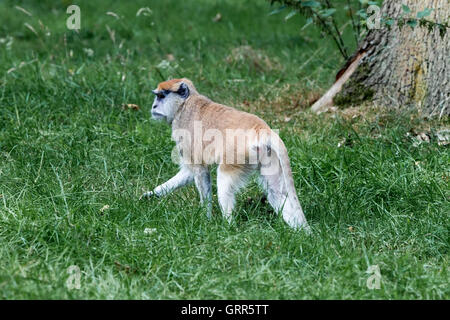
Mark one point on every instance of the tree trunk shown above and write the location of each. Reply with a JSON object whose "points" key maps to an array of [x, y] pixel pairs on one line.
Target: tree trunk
{"points": [[400, 66]]}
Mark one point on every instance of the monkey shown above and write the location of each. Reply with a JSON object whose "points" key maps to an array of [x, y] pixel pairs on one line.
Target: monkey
{"points": [[240, 143]]}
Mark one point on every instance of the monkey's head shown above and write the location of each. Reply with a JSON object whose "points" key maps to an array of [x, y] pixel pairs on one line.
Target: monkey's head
{"points": [[170, 96]]}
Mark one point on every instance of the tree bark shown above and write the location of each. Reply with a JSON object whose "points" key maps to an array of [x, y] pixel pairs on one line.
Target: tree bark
{"points": [[401, 67]]}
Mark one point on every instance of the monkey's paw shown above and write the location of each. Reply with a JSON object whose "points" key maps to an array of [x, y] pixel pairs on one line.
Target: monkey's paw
{"points": [[147, 195]]}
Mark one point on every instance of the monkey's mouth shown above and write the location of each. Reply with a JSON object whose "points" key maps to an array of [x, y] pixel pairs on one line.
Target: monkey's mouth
{"points": [[158, 116]]}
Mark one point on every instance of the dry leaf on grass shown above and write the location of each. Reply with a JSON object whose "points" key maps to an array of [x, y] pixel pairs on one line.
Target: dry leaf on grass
{"points": [[104, 208], [149, 230], [342, 142], [423, 136], [88, 51], [127, 106], [125, 268], [217, 18]]}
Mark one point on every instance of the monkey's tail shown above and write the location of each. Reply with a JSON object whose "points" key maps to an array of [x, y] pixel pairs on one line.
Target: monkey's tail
{"points": [[292, 210]]}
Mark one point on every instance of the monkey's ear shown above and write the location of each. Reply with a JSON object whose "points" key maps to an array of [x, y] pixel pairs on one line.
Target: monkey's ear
{"points": [[183, 90]]}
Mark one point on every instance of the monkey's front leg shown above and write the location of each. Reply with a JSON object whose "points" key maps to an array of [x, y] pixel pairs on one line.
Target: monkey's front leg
{"points": [[182, 178], [202, 180]]}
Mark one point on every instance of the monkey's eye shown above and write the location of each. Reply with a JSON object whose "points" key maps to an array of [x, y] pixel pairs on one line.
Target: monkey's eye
{"points": [[162, 94]]}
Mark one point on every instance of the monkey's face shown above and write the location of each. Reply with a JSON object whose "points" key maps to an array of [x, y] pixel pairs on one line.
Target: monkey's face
{"points": [[167, 102]]}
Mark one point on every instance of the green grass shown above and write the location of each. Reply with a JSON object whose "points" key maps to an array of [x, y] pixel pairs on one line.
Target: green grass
{"points": [[67, 149]]}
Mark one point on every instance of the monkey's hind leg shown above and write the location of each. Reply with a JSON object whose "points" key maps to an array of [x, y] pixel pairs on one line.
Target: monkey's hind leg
{"points": [[229, 180], [273, 185], [202, 179], [280, 201], [280, 189]]}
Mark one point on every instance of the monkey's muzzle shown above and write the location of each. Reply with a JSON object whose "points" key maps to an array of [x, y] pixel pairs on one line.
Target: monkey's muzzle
{"points": [[157, 116]]}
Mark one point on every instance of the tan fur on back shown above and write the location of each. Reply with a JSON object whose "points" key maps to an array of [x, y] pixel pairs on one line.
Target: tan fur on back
{"points": [[211, 115]]}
